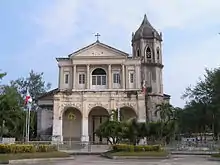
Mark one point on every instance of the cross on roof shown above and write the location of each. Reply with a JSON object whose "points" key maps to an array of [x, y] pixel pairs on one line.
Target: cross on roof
{"points": [[97, 36]]}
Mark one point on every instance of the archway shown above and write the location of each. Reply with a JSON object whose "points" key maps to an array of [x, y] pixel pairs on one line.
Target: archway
{"points": [[97, 116], [127, 113], [72, 124], [99, 78]]}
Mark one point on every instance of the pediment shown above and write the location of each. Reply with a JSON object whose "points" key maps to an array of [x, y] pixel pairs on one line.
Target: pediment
{"points": [[98, 50]]}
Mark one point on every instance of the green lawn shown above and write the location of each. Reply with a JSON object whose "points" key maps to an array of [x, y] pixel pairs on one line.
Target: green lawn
{"points": [[150, 154], [6, 157], [216, 155]]}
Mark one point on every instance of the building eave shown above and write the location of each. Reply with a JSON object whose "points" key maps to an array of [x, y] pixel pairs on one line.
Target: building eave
{"points": [[49, 93]]}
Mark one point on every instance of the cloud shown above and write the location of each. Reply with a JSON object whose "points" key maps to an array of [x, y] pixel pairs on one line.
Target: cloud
{"points": [[186, 67], [57, 22], [163, 14], [189, 46]]}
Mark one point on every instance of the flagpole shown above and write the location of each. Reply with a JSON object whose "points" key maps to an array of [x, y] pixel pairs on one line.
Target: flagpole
{"points": [[28, 122], [26, 125], [28, 101]]}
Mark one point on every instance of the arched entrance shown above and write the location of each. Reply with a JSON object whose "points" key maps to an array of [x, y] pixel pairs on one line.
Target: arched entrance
{"points": [[97, 116], [72, 124], [99, 78], [127, 113]]}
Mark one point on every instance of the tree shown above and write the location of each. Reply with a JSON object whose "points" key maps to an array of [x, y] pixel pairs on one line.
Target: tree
{"points": [[2, 75], [36, 86], [204, 97], [134, 131], [111, 130], [165, 111], [34, 82], [10, 111]]}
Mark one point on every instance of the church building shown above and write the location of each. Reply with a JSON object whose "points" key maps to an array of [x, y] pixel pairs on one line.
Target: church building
{"points": [[97, 79]]}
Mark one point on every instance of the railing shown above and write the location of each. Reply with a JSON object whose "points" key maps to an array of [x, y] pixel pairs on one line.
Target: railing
{"points": [[73, 146], [193, 146]]}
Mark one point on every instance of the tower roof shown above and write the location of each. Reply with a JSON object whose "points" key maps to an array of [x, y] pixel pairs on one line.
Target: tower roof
{"points": [[146, 31]]}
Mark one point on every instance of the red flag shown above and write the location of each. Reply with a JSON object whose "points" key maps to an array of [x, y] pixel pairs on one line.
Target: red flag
{"points": [[28, 98]]}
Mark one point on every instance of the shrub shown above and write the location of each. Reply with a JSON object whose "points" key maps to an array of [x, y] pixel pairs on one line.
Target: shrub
{"points": [[46, 148], [140, 148], [25, 148]]}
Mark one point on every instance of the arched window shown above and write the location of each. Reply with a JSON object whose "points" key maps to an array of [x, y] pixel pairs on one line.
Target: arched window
{"points": [[158, 53], [138, 53], [148, 52], [99, 77]]}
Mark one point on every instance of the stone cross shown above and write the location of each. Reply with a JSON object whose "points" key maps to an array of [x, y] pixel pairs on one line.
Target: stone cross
{"points": [[97, 36]]}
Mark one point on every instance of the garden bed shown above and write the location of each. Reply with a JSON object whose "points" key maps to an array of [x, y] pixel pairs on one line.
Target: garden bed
{"points": [[13, 152], [216, 155], [4, 158], [123, 151]]}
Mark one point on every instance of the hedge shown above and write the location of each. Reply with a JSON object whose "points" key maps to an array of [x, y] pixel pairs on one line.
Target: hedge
{"points": [[26, 148], [139, 148]]}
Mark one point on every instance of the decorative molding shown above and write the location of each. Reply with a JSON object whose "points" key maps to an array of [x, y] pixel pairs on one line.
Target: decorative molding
{"points": [[74, 105], [98, 104], [63, 106], [127, 104]]}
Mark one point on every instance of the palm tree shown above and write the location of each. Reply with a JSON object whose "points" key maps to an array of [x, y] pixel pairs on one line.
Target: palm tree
{"points": [[134, 130], [165, 111], [2, 75]]}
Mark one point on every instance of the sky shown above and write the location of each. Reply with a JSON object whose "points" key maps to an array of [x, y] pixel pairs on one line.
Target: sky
{"points": [[33, 33]]}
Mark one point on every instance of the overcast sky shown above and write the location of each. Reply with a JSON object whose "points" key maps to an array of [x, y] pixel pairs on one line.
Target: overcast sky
{"points": [[33, 33]]}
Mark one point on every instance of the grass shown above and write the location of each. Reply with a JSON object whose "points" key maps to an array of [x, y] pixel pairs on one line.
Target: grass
{"points": [[149, 154], [56, 154], [216, 155]]}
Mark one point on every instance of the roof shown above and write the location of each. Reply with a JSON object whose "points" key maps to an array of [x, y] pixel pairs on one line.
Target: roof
{"points": [[49, 93], [146, 31], [98, 43], [166, 96]]}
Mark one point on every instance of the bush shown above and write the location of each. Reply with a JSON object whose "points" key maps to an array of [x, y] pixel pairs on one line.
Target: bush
{"points": [[25, 148], [132, 148], [46, 148]]}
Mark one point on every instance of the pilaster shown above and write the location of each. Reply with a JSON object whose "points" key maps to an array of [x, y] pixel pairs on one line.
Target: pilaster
{"points": [[59, 79], [123, 76], [85, 129], [137, 77], [57, 135], [109, 76], [74, 77], [141, 110], [88, 75]]}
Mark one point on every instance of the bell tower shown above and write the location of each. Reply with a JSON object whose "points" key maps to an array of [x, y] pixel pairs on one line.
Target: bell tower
{"points": [[146, 45]]}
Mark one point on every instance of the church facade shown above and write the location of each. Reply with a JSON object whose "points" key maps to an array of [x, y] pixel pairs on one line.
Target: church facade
{"points": [[97, 79]]}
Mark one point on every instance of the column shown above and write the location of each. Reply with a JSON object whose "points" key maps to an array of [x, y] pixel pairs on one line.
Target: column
{"points": [[110, 76], [85, 129], [141, 110], [123, 77], [74, 77], [59, 79], [137, 77], [87, 75], [57, 126]]}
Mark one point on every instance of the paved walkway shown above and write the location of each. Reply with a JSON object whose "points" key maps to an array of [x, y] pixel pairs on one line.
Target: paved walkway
{"points": [[97, 160]]}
